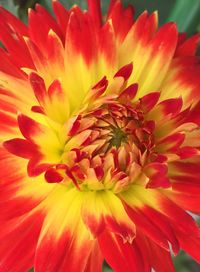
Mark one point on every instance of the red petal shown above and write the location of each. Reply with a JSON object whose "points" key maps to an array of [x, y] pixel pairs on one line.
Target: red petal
{"points": [[95, 260], [160, 259], [157, 173], [171, 143], [28, 127], [149, 101], [107, 43], [187, 152], [119, 255], [171, 106], [188, 47], [191, 244], [38, 86], [94, 8], [35, 168], [80, 36], [21, 148], [125, 71], [180, 219], [122, 19], [129, 93], [17, 24], [7, 65], [147, 227], [18, 240], [62, 16], [52, 176], [40, 17]]}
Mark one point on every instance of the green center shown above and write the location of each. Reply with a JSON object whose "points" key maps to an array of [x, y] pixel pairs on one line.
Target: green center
{"points": [[118, 137]]}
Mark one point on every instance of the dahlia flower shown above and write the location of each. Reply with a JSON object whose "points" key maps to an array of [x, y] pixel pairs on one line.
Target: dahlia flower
{"points": [[100, 132]]}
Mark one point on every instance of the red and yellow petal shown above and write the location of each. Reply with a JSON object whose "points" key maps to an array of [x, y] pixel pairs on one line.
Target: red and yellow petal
{"points": [[121, 256], [21, 235], [149, 203], [182, 80], [102, 210], [64, 236]]}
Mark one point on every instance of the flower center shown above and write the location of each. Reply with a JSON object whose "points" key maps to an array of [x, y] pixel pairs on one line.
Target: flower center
{"points": [[118, 137], [105, 149]]}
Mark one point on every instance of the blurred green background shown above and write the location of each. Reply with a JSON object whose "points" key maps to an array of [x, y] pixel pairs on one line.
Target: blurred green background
{"points": [[186, 13]]}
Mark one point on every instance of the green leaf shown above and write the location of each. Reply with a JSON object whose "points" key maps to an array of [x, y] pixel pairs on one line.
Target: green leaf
{"points": [[186, 14], [9, 5], [68, 4], [107, 269]]}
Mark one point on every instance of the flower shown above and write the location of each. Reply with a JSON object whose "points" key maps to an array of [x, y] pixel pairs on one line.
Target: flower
{"points": [[100, 132]]}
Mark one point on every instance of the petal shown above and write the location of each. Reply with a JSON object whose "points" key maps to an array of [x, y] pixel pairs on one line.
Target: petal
{"points": [[46, 140], [107, 61], [94, 8], [13, 21], [11, 36], [139, 34], [21, 148], [18, 240], [7, 66], [144, 224], [190, 243], [122, 19], [39, 17], [103, 210], [182, 80], [80, 36], [151, 222], [63, 237], [157, 200], [95, 261], [188, 47], [15, 190], [62, 15], [125, 71], [158, 58], [157, 174], [119, 255], [160, 259]]}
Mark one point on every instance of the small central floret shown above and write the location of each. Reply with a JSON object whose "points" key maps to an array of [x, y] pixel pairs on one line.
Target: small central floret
{"points": [[118, 137]]}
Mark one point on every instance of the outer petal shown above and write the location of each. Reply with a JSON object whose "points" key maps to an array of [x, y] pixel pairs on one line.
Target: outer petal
{"points": [[160, 259], [15, 190], [188, 47], [158, 58], [185, 183], [121, 256], [94, 8], [11, 35], [140, 198], [64, 238], [39, 17], [103, 210], [191, 244], [139, 35], [62, 15], [122, 19], [182, 80], [95, 261], [21, 236]]}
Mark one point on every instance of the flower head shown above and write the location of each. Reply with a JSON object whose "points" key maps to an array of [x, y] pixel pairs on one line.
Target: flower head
{"points": [[100, 141]]}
